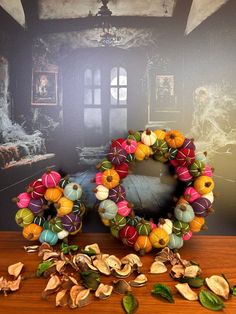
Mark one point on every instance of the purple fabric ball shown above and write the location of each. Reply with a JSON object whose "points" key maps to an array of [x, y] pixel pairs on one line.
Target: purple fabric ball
{"points": [[71, 222], [35, 205], [188, 144], [117, 194], [201, 206], [117, 155]]}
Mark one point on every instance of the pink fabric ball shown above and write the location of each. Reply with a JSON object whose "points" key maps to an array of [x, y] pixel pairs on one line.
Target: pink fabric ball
{"points": [[130, 146], [190, 194], [23, 200], [124, 208], [187, 235], [98, 178], [51, 178], [207, 171], [183, 173]]}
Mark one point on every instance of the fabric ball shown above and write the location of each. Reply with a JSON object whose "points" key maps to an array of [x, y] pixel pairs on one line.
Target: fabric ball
{"points": [[36, 205], [124, 208], [200, 206], [51, 178], [24, 217], [185, 157], [209, 196], [118, 222], [98, 178], [71, 222], [101, 192], [49, 237], [73, 191], [207, 171], [117, 155], [175, 242], [204, 184], [129, 146], [107, 209], [117, 142], [197, 168], [166, 224], [183, 173], [187, 236], [128, 235], [37, 189], [122, 170], [105, 164], [63, 182], [180, 227], [148, 137], [117, 194], [188, 143], [190, 194], [22, 200], [38, 220], [184, 212], [110, 179]]}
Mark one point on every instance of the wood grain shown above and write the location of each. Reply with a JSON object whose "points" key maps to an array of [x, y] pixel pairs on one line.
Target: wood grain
{"points": [[216, 255]]}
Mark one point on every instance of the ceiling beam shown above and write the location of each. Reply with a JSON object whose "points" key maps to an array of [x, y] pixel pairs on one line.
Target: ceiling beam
{"points": [[31, 14]]}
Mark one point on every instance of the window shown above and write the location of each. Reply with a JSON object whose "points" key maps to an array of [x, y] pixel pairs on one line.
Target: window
{"points": [[118, 86], [92, 87]]}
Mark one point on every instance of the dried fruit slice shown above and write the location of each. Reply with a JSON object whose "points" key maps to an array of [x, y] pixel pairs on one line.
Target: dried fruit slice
{"points": [[218, 285]]}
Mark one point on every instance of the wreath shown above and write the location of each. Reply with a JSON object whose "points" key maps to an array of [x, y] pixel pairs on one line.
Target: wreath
{"points": [[51, 209], [191, 208]]}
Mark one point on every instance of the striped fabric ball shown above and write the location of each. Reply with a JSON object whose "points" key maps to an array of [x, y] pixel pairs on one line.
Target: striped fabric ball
{"points": [[190, 194], [107, 209], [208, 171], [174, 162], [197, 168], [183, 173], [35, 205], [200, 206], [39, 220], [37, 189], [128, 235], [117, 155], [110, 179], [160, 146], [117, 194], [188, 143], [130, 158], [49, 237], [175, 242], [101, 192], [55, 225], [143, 227], [122, 170], [79, 208], [63, 182], [22, 200], [98, 178], [209, 196], [71, 222], [24, 217], [129, 146], [73, 191], [134, 135], [51, 178], [185, 157], [118, 222], [180, 228], [133, 221], [171, 154], [124, 208], [187, 236], [104, 165], [117, 142], [201, 156]]}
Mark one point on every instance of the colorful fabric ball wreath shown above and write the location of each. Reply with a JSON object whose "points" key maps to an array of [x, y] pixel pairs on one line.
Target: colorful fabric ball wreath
{"points": [[191, 208], [50, 209]]}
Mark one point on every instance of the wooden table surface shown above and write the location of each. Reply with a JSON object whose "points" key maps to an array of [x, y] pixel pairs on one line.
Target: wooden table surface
{"points": [[216, 255]]}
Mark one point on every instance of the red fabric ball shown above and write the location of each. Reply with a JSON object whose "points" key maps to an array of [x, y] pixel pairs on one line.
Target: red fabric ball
{"points": [[117, 142], [185, 157], [122, 170], [37, 189], [128, 235]]}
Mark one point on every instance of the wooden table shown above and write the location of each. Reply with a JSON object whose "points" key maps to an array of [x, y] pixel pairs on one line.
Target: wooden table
{"points": [[216, 255]]}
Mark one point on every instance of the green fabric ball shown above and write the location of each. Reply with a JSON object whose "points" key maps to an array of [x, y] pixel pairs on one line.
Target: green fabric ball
{"points": [[24, 217], [143, 227], [55, 225], [38, 220], [118, 222], [180, 228], [197, 168]]}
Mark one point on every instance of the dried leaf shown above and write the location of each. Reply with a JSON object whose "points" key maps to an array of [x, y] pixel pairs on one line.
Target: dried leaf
{"points": [[218, 285], [61, 298], [121, 286], [15, 284], [113, 262], [186, 291], [91, 279], [83, 298], [177, 271], [93, 247], [15, 269], [139, 281], [158, 268], [192, 271], [103, 291], [53, 283], [210, 300], [102, 266], [31, 248], [132, 259], [163, 291], [130, 303], [122, 273]]}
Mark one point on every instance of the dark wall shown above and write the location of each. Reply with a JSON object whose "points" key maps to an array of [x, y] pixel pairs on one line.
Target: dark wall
{"points": [[202, 65]]}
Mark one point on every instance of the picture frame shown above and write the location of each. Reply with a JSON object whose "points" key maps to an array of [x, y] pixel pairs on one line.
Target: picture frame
{"points": [[44, 88], [165, 91]]}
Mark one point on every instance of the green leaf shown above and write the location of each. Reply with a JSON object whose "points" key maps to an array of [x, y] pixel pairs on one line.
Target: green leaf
{"points": [[89, 252], [163, 291], [210, 300], [66, 249], [130, 303], [43, 266], [91, 279], [196, 282], [233, 290]]}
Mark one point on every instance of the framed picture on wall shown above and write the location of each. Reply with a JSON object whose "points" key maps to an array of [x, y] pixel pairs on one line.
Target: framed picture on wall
{"points": [[44, 88], [165, 93]]}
